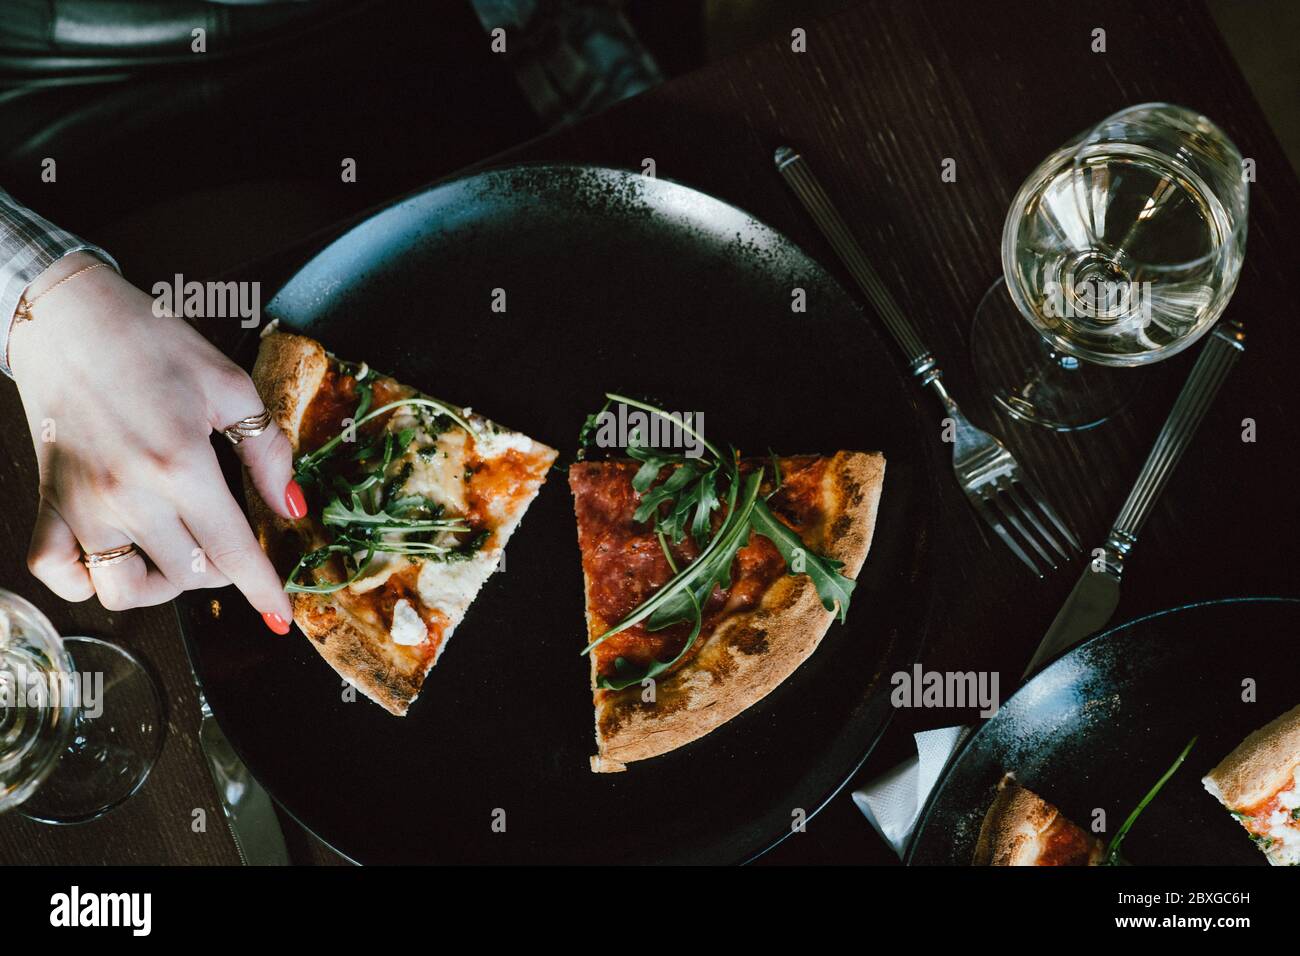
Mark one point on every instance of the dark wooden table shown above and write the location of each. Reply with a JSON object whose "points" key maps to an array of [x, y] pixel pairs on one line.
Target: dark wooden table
{"points": [[884, 93]]}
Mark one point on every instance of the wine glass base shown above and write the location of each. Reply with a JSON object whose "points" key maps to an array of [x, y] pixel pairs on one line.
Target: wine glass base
{"points": [[1032, 381], [120, 726]]}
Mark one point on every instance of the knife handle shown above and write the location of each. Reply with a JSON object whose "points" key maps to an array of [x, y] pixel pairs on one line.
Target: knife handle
{"points": [[1216, 360], [809, 189]]}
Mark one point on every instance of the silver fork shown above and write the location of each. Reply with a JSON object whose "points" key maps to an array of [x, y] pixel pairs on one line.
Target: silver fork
{"points": [[998, 488]]}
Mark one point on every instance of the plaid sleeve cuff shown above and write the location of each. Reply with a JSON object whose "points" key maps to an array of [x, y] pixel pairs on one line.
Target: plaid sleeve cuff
{"points": [[29, 244]]}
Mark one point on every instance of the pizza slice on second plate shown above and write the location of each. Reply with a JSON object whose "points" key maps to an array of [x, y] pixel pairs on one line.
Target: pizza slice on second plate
{"points": [[1023, 829], [1259, 783]]}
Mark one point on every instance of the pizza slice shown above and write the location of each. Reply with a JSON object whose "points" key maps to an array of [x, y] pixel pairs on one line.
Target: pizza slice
{"points": [[1023, 829], [1259, 783], [708, 581], [410, 504]]}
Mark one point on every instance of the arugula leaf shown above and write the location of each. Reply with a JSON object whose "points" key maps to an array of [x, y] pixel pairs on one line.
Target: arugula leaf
{"points": [[314, 559], [628, 676], [403, 507], [706, 502], [650, 467], [367, 392], [473, 545], [703, 569], [777, 480], [587, 432], [648, 473], [682, 476], [311, 462], [338, 514], [1113, 857], [673, 419], [692, 486], [832, 587]]}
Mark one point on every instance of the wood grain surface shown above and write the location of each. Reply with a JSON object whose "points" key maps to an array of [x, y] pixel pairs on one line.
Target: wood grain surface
{"points": [[885, 92]]}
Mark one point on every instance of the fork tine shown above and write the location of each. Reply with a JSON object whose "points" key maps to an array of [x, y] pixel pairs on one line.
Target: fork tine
{"points": [[1009, 509], [1027, 509], [985, 510], [1039, 500]]}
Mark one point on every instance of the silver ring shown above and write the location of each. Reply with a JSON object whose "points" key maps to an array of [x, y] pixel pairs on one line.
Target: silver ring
{"points": [[249, 427], [105, 559]]}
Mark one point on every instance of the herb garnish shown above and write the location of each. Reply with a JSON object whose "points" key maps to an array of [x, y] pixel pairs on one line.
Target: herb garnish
{"points": [[367, 512], [685, 501], [1113, 857], [308, 466]]}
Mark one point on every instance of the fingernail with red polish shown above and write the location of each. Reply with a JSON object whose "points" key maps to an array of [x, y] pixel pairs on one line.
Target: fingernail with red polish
{"points": [[294, 500], [275, 622]]}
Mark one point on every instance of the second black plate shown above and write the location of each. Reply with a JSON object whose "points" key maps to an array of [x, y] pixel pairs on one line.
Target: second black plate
{"points": [[1097, 728]]}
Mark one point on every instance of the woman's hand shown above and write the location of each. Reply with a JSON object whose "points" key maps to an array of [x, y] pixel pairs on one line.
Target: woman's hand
{"points": [[121, 404]]}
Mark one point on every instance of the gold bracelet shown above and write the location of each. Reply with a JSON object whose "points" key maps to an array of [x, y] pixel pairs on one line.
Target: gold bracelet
{"points": [[24, 311]]}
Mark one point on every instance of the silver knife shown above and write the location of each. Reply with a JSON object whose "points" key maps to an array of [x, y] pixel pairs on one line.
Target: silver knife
{"points": [[1095, 596], [247, 806]]}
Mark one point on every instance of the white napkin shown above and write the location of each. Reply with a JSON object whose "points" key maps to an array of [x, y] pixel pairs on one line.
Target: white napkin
{"points": [[893, 801]]}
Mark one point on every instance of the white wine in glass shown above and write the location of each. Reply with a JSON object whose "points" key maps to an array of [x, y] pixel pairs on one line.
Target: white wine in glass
{"points": [[37, 714], [81, 720], [1121, 249]]}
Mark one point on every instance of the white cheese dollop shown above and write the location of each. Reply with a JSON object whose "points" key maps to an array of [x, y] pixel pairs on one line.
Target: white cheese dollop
{"points": [[408, 627]]}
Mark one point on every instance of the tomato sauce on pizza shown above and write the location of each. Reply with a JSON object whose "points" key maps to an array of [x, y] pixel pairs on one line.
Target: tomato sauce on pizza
{"points": [[625, 563]]}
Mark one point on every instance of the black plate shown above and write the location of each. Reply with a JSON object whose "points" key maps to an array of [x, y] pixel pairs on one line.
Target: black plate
{"points": [[613, 281], [1098, 727]]}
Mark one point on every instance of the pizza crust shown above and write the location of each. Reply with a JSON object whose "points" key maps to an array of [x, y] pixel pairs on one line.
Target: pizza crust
{"points": [[352, 648], [288, 374], [1018, 826], [1260, 766], [751, 653]]}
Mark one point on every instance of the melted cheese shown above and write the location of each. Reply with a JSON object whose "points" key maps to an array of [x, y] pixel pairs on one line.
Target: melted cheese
{"points": [[450, 586], [379, 570], [1290, 799], [437, 470], [490, 444], [1282, 827]]}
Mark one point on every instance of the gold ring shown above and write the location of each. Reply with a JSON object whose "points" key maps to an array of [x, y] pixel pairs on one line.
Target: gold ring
{"points": [[104, 559], [249, 427]]}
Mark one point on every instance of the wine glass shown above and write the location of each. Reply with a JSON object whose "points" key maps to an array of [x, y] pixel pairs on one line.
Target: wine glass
{"points": [[1121, 249], [81, 720]]}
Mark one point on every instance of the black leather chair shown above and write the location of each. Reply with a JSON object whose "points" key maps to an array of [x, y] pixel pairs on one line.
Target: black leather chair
{"points": [[101, 38], [135, 121]]}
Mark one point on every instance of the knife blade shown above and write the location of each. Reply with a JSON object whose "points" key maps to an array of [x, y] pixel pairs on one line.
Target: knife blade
{"points": [[247, 807], [1096, 594], [1085, 612], [249, 813]]}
